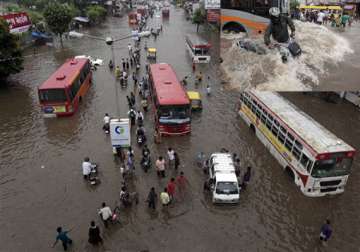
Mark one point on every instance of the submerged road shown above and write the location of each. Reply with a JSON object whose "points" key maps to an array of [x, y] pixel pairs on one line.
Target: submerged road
{"points": [[272, 216]]}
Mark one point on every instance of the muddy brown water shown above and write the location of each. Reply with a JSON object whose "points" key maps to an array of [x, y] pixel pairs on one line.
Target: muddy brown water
{"points": [[272, 216]]}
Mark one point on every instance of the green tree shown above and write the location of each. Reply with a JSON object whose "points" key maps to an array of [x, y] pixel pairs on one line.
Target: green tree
{"points": [[294, 4], [95, 13], [58, 17], [198, 18], [10, 53]]}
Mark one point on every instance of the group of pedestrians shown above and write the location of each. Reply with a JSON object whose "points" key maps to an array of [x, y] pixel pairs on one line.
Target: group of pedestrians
{"points": [[175, 187], [173, 163]]}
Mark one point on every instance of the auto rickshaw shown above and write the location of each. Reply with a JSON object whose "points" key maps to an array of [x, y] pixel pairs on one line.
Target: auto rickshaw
{"points": [[195, 100], [151, 53]]}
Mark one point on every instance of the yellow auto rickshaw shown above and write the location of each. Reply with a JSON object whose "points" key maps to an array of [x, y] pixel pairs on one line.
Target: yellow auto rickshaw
{"points": [[151, 53], [195, 100]]}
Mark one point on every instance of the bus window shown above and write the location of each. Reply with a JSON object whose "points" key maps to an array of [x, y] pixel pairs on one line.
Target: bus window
{"points": [[253, 108], [288, 144], [263, 117], [298, 144], [296, 152], [258, 113], [304, 160], [268, 123], [281, 137], [275, 130], [53, 95]]}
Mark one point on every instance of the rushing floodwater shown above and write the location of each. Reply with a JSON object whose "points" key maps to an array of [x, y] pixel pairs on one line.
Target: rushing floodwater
{"points": [[272, 215], [328, 62]]}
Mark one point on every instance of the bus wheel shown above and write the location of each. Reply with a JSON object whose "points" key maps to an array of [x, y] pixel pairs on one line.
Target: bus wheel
{"points": [[252, 128], [290, 172]]}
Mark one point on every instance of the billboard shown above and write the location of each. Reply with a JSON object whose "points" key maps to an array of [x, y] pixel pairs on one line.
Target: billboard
{"points": [[213, 16], [120, 132], [212, 4], [18, 22]]}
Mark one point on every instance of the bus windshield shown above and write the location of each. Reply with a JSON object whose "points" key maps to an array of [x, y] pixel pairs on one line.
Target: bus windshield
{"points": [[227, 188], [201, 51], [53, 95], [174, 114], [331, 167]]}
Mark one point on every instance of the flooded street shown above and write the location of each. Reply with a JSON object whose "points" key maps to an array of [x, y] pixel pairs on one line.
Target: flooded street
{"points": [[272, 215], [328, 63]]}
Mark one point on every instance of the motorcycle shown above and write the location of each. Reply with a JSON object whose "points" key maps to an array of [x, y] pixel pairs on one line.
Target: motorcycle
{"points": [[289, 49], [93, 178], [146, 163], [141, 139], [106, 128]]}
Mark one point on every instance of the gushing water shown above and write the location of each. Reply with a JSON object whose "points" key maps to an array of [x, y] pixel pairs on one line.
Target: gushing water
{"points": [[322, 47]]}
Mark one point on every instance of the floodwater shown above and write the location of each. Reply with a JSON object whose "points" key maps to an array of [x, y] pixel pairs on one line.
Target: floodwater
{"points": [[329, 61], [41, 184]]}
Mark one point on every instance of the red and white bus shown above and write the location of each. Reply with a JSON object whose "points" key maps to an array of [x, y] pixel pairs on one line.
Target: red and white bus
{"points": [[171, 102], [318, 161], [198, 49], [60, 94]]}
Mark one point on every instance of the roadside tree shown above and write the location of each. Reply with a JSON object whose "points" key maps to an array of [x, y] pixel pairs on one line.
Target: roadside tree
{"points": [[95, 13], [58, 17], [198, 18], [10, 52]]}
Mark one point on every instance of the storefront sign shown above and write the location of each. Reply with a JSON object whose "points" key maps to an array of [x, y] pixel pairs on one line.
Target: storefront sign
{"points": [[212, 4], [18, 22]]}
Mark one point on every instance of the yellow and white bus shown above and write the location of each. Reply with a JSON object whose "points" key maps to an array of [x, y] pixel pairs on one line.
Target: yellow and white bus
{"points": [[318, 161], [249, 16]]}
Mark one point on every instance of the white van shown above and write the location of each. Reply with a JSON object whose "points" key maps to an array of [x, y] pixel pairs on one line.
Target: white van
{"points": [[223, 182]]}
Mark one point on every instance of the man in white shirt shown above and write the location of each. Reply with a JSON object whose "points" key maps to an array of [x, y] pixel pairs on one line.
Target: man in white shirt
{"points": [[171, 157], [320, 18], [86, 166], [105, 213]]}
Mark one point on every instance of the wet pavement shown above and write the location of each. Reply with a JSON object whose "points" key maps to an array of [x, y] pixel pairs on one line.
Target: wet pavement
{"points": [[272, 215], [329, 61]]}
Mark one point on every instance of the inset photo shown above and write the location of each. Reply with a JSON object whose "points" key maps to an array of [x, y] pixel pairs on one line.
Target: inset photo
{"points": [[294, 45]]}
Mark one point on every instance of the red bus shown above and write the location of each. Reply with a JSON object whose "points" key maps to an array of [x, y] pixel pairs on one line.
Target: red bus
{"points": [[61, 93], [171, 102]]}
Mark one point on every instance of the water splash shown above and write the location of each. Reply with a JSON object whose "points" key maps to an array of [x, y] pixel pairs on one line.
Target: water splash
{"points": [[322, 48]]}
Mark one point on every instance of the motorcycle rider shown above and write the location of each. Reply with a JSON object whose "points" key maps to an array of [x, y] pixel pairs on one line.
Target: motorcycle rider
{"points": [[145, 150], [140, 133], [87, 167], [278, 27], [132, 116], [140, 118], [106, 126]]}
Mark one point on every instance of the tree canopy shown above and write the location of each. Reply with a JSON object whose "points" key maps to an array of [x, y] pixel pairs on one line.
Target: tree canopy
{"points": [[10, 53], [58, 17], [198, 18], [95, 13]]}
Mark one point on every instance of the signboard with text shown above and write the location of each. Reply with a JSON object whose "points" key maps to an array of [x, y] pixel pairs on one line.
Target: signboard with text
{"points": [[18, 22], [212, 4]]}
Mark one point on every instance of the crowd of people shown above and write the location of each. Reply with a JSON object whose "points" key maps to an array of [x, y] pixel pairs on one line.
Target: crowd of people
{"points": [[324, 17]]}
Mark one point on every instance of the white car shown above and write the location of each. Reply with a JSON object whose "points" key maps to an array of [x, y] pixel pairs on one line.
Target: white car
{"points": [[223, 182], [94, 62]]}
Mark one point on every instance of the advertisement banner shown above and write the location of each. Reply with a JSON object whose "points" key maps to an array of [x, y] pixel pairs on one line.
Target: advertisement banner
{"points": [[120, 132], [18, 22], [213, 16], [212, 4]]}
